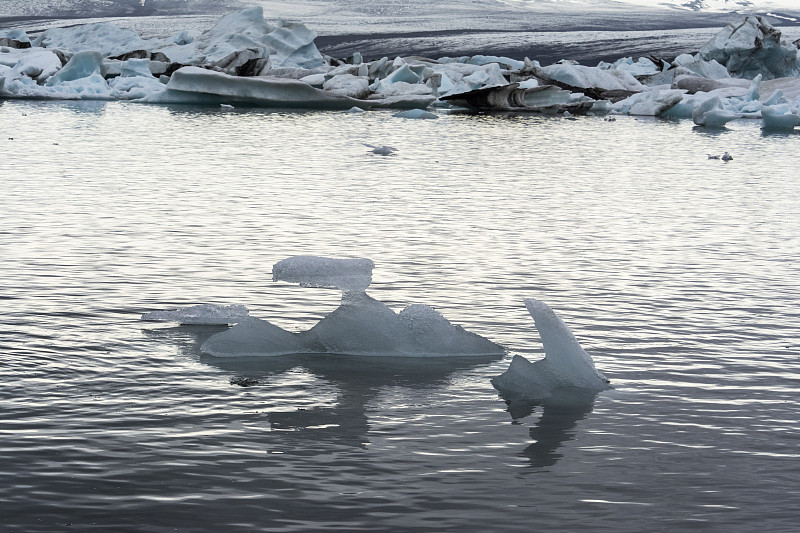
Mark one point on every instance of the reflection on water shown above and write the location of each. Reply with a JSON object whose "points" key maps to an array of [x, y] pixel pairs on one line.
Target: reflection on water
{"points": [[358, 380]]}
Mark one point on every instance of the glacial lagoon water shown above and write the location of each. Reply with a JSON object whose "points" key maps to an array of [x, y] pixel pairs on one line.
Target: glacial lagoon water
{"points": [[678, 273]]}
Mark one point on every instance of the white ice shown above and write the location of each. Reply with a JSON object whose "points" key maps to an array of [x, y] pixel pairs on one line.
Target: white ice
{"points": [[347, 275], [712, 114], [199, 85], [200, 314], [592, 77], [779, 118], [751, 48], [565, 364]]}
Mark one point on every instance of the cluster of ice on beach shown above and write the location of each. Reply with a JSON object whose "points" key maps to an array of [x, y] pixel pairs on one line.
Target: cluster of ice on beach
{"points": [[746, 71]]}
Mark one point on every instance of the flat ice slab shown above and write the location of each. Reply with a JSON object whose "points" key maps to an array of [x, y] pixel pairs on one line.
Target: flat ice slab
{"points": [[326, 272], [209, 314]]}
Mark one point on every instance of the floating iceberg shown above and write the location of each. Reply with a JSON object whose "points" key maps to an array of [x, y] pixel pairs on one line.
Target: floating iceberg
{"points": [[712, 114], [361, 325], [565, 365], [198, 85], [208, 314], [779, 118]]}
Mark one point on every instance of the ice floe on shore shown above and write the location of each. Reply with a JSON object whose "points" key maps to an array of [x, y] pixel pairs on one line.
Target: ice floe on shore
{"points": [[746, 71]]}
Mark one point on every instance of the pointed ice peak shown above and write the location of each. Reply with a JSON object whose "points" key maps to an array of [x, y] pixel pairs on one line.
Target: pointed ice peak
{"points": [[562, 349]]}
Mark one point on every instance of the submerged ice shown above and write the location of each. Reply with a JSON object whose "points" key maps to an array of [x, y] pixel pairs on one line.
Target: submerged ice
{"points": [[746, 71]]}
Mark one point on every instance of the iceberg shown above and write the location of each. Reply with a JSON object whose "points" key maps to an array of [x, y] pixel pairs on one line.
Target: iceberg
{"points": [[565, 365], [106, 38], [712, 114], [360, 325], [751, 48], [649, 103], [592, 77], [779, 118], [205, 314], [195, 84]]}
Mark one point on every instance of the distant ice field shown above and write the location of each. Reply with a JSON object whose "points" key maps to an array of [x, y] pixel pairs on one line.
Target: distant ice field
{"points": [[549, 33], [677, 273]]}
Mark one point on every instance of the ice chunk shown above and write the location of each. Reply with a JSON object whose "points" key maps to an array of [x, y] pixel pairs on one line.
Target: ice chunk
{"points": [[643, 67], [506, 62], [105, 38], [565, 364], [648, 103], [14, 38], [365, 326], [431, 333], [136, 67], [200, 314], [197, 84], [252, 337], [712, 114], [82, 65], [468, 78], [751, 48], [347, 275], [416, 113], [779, 118], [287, 45], [347, 85], [34, 63], [593, 77]]}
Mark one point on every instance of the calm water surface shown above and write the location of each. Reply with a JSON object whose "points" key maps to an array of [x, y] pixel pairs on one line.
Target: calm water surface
{"points": [[678, 273]]}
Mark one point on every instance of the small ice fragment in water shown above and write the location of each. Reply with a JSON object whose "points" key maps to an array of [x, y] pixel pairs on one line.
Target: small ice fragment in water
{"points": [[208, 314], [381, 150], [243, 381]]}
